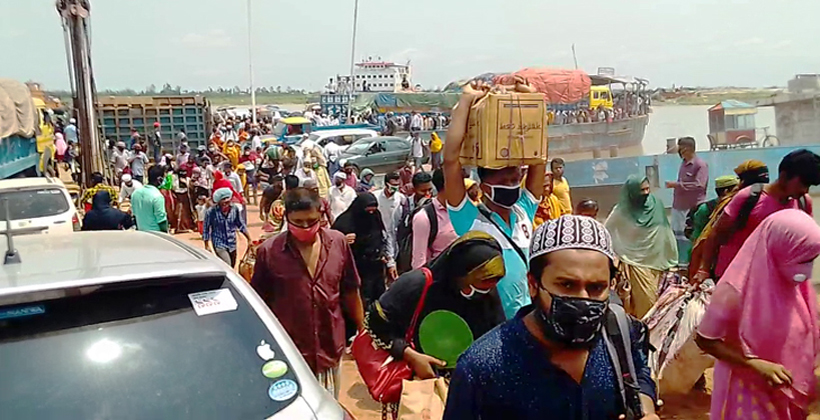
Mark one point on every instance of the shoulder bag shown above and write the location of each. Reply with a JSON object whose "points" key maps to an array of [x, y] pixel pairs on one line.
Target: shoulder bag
{"points": [[382, 374]]}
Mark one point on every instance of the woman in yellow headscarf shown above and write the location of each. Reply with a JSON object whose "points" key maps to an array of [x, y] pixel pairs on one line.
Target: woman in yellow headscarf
{"points": [[232, 150], [473, 192], [435, 150], [550, 207], [750, 172]]}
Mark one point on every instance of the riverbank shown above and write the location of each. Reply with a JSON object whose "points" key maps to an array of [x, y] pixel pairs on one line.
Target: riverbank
{"points": [[711, 96]]}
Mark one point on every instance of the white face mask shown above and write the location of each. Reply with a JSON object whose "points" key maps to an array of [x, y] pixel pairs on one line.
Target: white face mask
{"points": [[800, 273], [474, 292]]}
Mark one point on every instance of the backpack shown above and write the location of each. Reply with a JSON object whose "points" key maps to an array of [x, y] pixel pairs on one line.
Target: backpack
{"points": [[751, 202], [619, 346], [404, 234], [690, 217]]}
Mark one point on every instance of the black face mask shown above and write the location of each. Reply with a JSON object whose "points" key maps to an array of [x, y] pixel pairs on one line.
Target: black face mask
{"points": [[573, 322], [503, 195]]}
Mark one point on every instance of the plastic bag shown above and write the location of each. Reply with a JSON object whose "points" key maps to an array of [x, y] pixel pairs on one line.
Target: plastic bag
{"points": [[423, 399], [248, 261], [676, 362]]}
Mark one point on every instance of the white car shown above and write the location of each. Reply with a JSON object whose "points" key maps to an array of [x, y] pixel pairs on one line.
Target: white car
{"points": [[138, 325], [38, 203], [348, 136]]}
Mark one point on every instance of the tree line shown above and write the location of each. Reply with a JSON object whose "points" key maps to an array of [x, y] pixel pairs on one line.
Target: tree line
{"points": [[167, 89]]}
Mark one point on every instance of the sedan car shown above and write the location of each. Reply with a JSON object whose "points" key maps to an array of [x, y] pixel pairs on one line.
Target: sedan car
{"points": [[380, 154], [137, 325]]}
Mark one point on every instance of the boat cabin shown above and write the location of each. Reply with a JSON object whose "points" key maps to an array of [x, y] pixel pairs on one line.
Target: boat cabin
{"points": [[732, 124]]}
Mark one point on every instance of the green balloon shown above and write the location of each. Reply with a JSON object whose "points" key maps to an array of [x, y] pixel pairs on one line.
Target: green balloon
{"points": [[445, 335]]}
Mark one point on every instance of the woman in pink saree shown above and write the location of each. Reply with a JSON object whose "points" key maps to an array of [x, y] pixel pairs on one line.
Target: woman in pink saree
{"points": [[762, 324]]}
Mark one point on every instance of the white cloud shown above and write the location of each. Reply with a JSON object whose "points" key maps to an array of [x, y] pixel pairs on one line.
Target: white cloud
{"points": [[215, 38], [209, 72], [749, 42], [405, 54]]}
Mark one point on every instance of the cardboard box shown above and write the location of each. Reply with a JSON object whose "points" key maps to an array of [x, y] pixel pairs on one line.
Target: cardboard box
{"points": [[506, 130]]}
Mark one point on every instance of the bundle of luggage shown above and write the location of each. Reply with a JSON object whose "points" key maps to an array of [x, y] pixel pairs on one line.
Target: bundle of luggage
{"points": [[676, 361]]}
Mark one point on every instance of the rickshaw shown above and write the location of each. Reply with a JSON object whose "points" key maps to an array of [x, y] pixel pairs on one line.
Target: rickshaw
{"points": [[732, 125], [290, 130]]}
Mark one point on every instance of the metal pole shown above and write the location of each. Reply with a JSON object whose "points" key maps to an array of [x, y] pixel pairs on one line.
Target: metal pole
{"points": [[574, 57], [352, 62], [250, 65], [69, 57]]}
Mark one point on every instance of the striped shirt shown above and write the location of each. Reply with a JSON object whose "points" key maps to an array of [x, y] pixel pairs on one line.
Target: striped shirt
{"points": [[220, 228]]}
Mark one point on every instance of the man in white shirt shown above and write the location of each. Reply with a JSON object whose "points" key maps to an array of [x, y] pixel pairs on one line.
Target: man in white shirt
{"points": [[183, 155], [232, 177], [332, 152], [119, 158], [230, 134], [391, 202], [416, 148], [416, 121], [341, 196], [306, 171], [256, 141], [182, 138], [128, 187]]}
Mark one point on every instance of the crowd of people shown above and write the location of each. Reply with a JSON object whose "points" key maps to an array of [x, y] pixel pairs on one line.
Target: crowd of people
{"points": [[552, 296], [625, 105]]}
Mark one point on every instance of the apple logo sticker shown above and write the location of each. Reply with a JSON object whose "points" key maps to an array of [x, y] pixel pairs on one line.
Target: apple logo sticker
{"points": [[264, 351]]}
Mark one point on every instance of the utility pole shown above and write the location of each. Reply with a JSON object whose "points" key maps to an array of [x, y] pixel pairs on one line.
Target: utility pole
{"points": [[352, 62], [250, 64], [75, 18]]}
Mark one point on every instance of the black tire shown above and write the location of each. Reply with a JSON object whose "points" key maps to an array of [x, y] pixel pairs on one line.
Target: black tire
{"points": [[771, 141]]}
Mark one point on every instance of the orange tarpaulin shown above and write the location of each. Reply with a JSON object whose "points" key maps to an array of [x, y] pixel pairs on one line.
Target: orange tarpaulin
{"points": [[559, 86]]}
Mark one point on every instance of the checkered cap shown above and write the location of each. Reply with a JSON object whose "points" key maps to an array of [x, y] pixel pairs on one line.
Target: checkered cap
{"points": [[571, 232]]}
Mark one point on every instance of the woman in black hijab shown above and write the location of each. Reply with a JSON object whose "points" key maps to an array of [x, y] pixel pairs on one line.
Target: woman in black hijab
{"points": [[369, 247], [104, 217], [463, 277]]}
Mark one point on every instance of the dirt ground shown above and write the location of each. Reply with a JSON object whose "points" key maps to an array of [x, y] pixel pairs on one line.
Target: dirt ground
{"points": [[354, 395]]}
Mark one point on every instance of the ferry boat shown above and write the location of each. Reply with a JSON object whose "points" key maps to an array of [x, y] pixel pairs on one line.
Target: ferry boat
{"points": [[567, 91]]}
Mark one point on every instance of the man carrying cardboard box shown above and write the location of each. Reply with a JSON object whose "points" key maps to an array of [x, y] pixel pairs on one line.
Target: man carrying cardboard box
{"points": [[506, 212]]}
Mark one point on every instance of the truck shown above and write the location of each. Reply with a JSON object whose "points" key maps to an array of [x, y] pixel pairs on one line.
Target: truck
{"points": [[118, 115], [26, 131]]}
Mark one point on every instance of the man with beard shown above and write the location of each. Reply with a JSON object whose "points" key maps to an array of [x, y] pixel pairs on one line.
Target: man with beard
{"points": [[563, 345]]}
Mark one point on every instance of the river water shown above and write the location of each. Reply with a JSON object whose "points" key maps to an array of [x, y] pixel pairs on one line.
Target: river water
{"points": [[690, 120]]}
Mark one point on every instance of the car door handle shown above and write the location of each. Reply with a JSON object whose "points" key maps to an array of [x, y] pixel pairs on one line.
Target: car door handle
{"points": [[59, 222]]}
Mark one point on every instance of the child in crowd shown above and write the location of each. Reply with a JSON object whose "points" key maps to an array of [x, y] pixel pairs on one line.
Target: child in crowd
{"points": [[201, 208], [587, 207]]}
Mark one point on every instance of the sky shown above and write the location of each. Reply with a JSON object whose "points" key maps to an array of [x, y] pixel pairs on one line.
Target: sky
{"points": [[202, 43]]}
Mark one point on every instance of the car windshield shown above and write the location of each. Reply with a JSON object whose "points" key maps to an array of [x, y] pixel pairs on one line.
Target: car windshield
{"points": [[142, 351], [359, 148], [33, 203]]}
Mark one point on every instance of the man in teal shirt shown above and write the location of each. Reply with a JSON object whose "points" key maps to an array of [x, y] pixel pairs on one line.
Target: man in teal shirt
{"points": [[148, 204], [506, 212]]}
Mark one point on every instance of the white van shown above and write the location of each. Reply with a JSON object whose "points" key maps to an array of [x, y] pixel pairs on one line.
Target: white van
{"points": [[38, 202]]}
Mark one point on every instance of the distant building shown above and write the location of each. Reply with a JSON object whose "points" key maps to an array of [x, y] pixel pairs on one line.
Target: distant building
{"points": [[381, 76], [797, 112]]}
